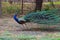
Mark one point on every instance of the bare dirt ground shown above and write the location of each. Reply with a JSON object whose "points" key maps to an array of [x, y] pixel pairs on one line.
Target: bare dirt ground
{"points": [[9, 26]]}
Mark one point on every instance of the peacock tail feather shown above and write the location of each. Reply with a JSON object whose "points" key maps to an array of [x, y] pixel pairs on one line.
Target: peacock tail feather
{"points": [[44, 17]]}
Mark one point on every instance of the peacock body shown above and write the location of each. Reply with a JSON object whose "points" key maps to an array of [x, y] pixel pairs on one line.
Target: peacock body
{"points": [[41, 17]]}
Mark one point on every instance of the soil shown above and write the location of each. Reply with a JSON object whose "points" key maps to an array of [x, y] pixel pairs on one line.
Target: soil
{"points": [[9, 27]]}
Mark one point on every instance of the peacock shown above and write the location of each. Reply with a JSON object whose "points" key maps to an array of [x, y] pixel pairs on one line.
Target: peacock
{"points": [[50, 17]]}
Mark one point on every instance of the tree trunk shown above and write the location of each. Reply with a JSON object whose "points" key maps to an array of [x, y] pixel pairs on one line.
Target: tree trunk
{"points": [[38, 5], [51, 2], [10, 1], [22, 6], [0, 8]]}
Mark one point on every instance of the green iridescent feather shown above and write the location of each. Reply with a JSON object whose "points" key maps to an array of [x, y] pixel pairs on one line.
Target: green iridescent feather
{"points": [[44, 17]]}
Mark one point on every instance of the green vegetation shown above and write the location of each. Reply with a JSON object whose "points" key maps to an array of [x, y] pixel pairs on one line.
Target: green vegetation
{"points": [[9, 36], [10, 9], [7, 8], [53, 2], [28, 37]]}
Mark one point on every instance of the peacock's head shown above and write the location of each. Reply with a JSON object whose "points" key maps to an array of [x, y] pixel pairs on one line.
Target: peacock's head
{"points": [[15, 17]]}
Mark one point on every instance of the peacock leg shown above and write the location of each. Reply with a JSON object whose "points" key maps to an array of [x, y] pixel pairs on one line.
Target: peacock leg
{"points": [[24, 26], [29, 26]]}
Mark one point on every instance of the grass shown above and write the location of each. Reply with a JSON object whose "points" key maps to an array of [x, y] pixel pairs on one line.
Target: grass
{"points": [[10, 9], [58, 3], [10, 36], [28, 37]]}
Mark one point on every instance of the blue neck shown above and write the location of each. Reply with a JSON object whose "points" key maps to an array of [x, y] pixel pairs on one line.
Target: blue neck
{"points": [[15, 18]]}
